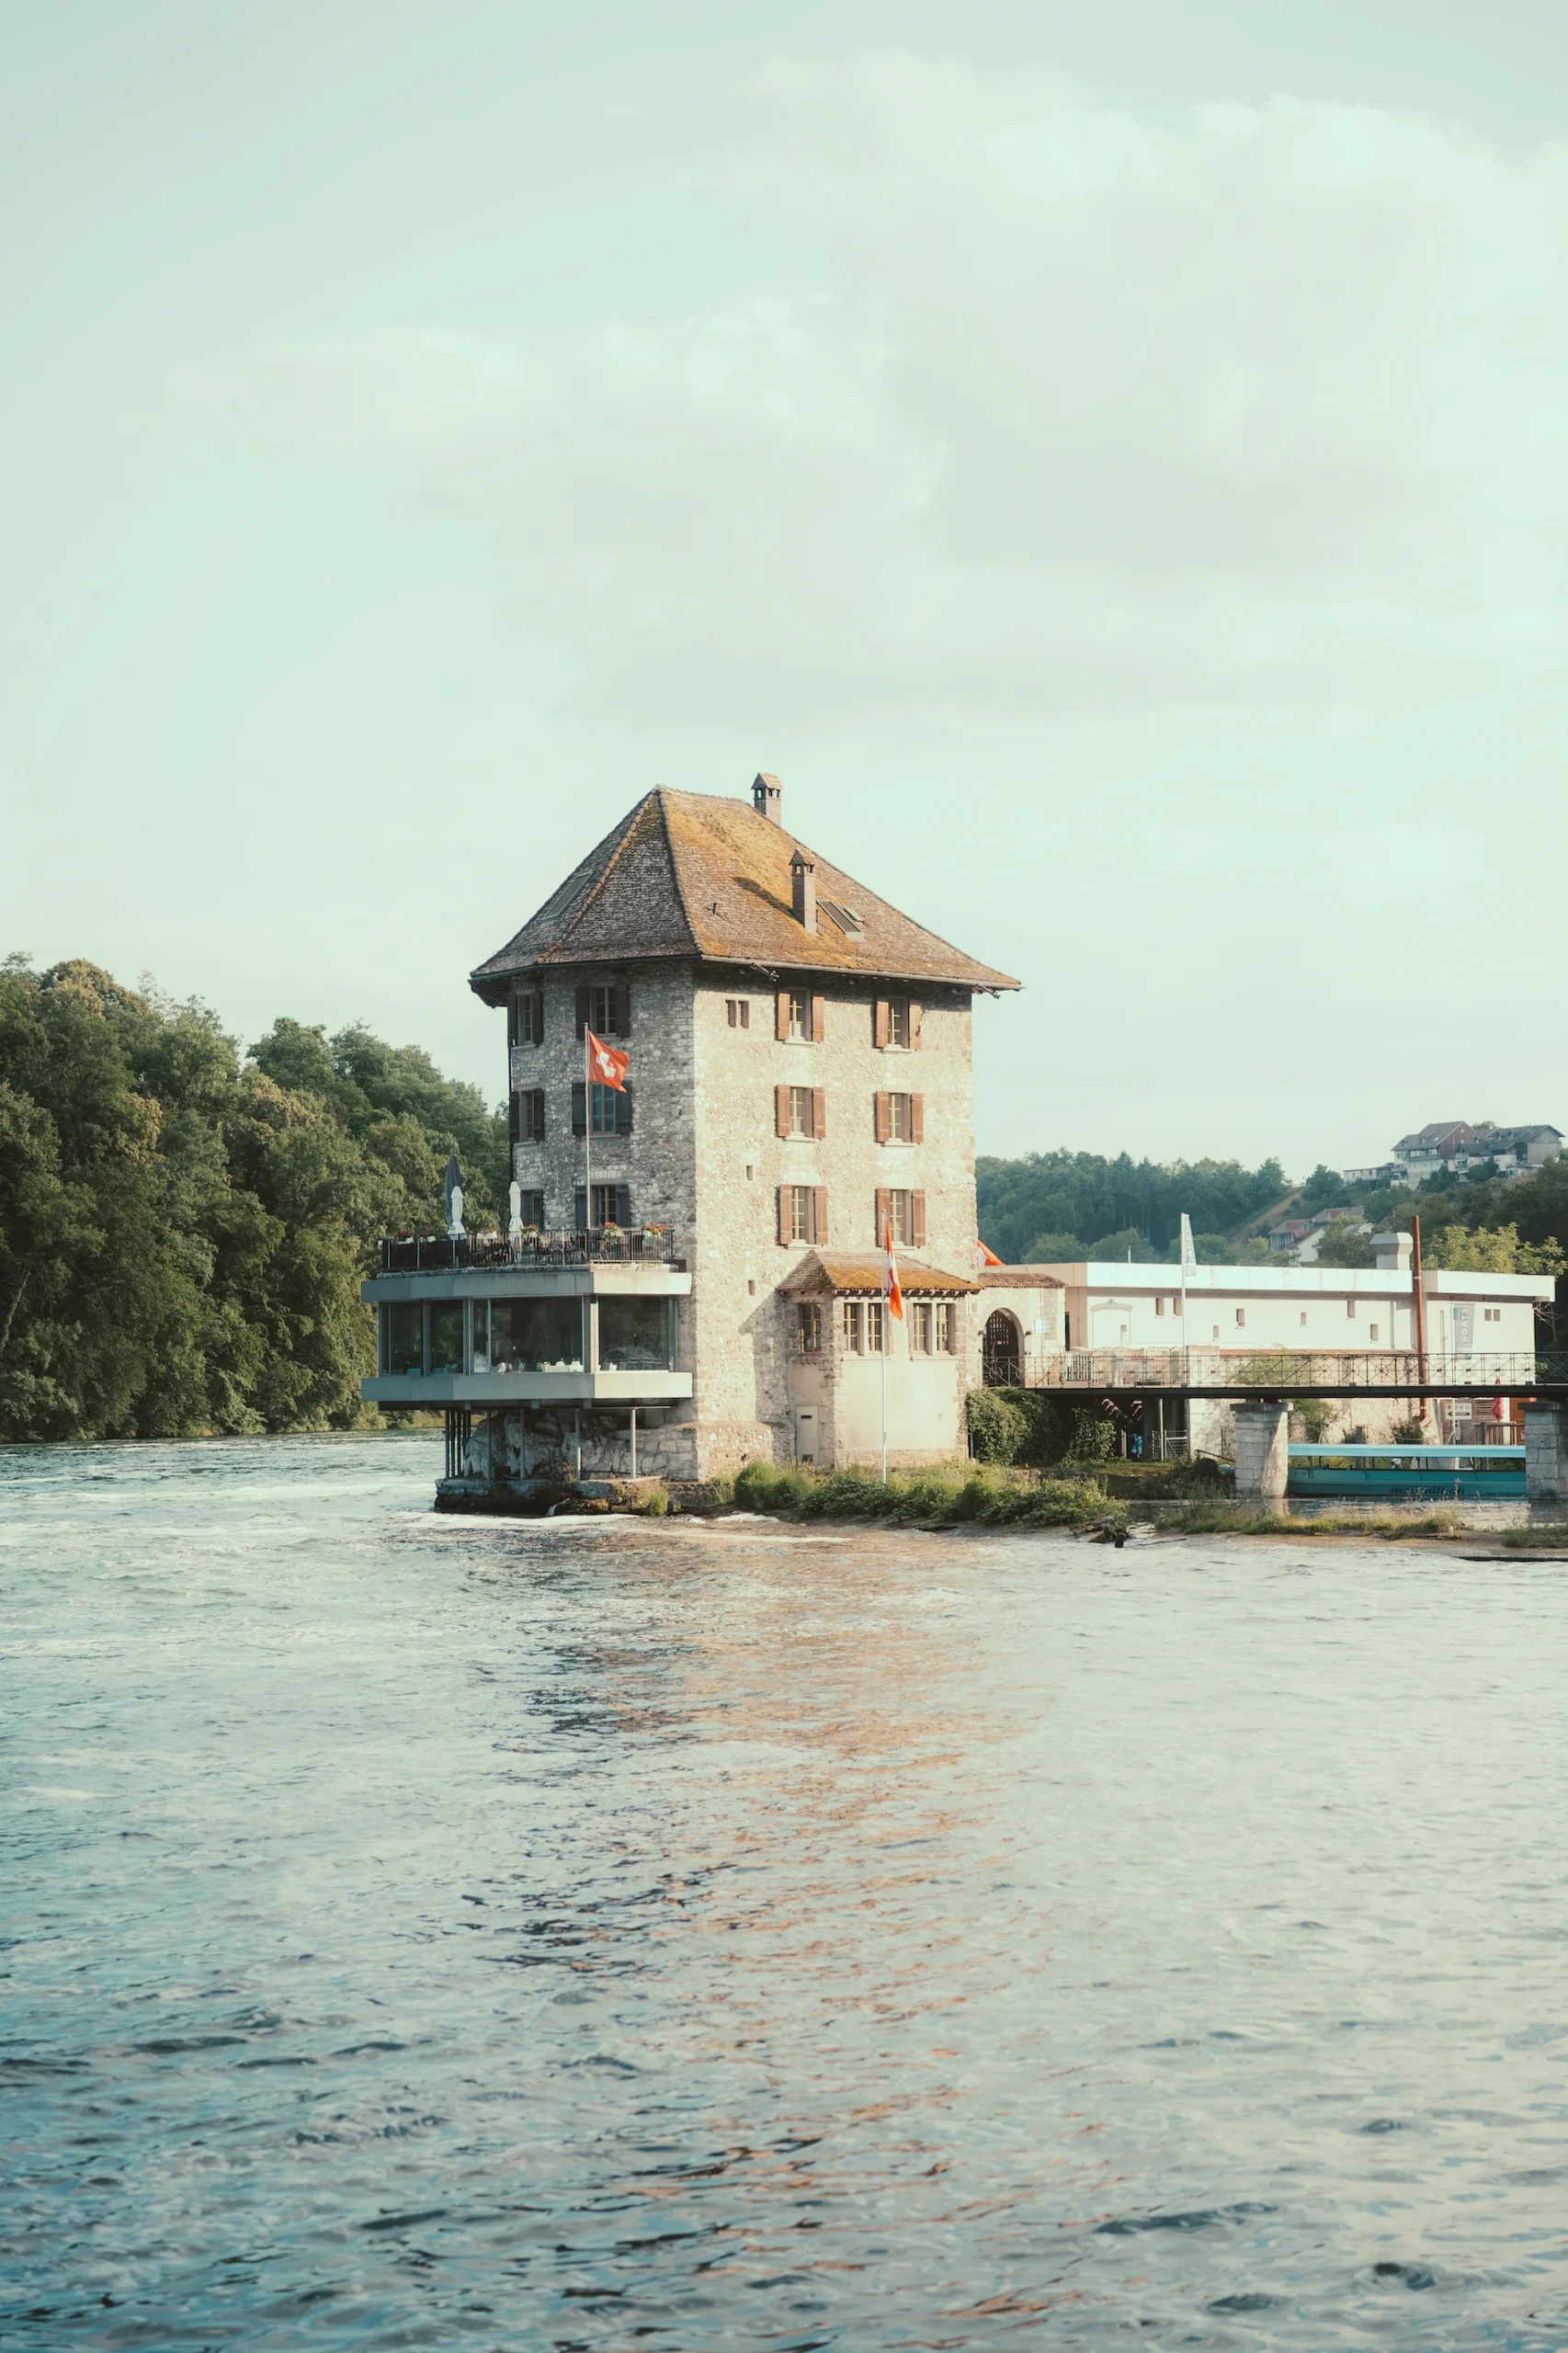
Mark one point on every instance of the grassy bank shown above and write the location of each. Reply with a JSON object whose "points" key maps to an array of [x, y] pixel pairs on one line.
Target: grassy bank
{"points": [[987, 1495], [976, 1496]]}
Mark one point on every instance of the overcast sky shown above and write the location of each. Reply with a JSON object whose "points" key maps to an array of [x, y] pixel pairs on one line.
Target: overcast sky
{"points": [[1111, 461]]}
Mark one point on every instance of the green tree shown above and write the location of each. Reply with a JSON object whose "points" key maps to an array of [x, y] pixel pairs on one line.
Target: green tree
{"points": [[1496, 1250], [1343, 1246], [182, 1235]]}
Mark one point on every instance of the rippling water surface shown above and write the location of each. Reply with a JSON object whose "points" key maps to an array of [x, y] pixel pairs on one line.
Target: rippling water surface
{"points": [[425, 1932]]}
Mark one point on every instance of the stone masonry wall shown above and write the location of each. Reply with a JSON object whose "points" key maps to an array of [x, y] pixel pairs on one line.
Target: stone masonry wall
{"points": [[704, 1159], [745, 1331], [656, 1163]]}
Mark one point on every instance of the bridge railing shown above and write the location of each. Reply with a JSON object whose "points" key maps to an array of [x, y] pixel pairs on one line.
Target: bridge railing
{"points": [[1278, 1371]]}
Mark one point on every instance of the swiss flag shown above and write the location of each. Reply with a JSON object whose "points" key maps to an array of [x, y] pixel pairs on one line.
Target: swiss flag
{"points": [[607, 1063], [890, 1273]]}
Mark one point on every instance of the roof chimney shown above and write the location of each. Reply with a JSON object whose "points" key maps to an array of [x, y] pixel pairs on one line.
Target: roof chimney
{"points": [[804, 887], [767, 797], [1393, 1253]]}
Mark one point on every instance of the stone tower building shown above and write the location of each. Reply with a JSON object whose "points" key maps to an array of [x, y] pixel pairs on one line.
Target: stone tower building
{"points": [[800, 1077]]}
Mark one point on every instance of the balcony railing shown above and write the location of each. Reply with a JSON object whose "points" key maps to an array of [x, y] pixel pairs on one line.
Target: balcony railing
{"points": [[1278, 1371], [436, 1253]]}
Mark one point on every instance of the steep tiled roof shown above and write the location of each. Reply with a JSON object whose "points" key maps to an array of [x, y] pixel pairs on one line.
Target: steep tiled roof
{"points": [[693, 874], [862, 1271]]}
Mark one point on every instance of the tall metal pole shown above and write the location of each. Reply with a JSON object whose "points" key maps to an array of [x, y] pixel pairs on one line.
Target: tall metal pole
{"points": [[1419, 1305], [885, 1339], [587, 1131]]}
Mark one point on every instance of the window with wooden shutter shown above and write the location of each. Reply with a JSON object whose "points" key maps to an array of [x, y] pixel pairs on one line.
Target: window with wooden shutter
{"points": [[511, 1021], [579, 1110], [884, 1210], [915, 1011], [621, 1009], [917, 1118], [819, 1214], [883, 1117], [879, 1023], [781, 1028], [818, 1020], [514, 1128], [819, 1112], [532, 1103], [781, 1110], [580, 1207], [582, 1012], [786, 1204], [917, 1221]]}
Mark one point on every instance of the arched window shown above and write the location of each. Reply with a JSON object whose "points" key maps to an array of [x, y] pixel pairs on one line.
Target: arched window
{"points": [[1002, 1365]]}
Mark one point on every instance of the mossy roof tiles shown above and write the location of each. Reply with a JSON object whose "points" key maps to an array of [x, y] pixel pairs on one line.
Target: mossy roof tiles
{"points": [[692, 874]]}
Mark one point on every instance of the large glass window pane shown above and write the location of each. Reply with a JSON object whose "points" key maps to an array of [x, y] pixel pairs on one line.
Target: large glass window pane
{"points": [[402, 1337], [536, 1335], [634, 1335], [447, 1336]]}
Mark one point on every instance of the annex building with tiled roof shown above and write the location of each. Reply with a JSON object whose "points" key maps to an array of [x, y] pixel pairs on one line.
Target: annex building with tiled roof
{"points": [[798, 1083]]}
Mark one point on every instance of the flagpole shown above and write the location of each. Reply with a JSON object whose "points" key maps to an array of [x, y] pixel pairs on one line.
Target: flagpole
{"points": [[587, 1133], [884, 1376]]}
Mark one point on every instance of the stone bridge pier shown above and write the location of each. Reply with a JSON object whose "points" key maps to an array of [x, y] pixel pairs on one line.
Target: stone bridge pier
{"points": [[1262, 1461], [1546, 1459]]}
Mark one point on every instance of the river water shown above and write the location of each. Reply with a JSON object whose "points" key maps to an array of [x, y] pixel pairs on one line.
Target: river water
{"points": [[424, 1932]]}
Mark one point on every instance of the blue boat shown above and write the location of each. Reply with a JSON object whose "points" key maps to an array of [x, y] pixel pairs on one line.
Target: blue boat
{"points": [[1408, 1473]]}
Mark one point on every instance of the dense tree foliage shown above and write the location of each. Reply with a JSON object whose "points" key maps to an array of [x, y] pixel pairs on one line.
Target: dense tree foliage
{"points": [[183, 1231], [1103, 1208]]}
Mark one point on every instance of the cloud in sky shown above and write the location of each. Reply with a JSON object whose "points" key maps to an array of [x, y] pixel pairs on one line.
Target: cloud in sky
{"points": [[1049, 409]]}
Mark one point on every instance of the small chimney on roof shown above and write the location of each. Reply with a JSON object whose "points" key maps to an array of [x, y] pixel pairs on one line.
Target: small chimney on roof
{"points": [[767, 797], [803, 887], [1393, 1253]]}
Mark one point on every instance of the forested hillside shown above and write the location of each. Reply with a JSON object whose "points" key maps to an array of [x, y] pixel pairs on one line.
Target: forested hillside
{"points": [[1053, 1205], [183, 1230]]}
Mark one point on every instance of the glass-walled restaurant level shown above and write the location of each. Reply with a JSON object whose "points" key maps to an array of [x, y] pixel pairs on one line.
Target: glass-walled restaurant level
{"points": [[480, 1336]]}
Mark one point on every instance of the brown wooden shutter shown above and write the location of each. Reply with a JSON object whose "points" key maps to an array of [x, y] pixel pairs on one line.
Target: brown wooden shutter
{"points": [[819, 1214], [511, 1021], [781, 1110], [781, 1031], [917, 1221], [582, 1009], [819, 1111], [915, 1013], [515, 1125], [539, 1016], [882, 1116], [880, 1024], [621, 1009], [784, 1212], [884, 1205], [818, 1020], [917, 1118]]}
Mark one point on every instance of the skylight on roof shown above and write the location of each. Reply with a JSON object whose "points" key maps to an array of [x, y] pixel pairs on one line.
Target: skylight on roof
{"points": [[848, 922]]}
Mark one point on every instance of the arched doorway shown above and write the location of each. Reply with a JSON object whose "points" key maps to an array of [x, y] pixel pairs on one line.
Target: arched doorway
{"points": [[1002, 1365]]}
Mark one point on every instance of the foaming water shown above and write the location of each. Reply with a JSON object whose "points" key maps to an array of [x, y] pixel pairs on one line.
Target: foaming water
{"points": [[431, 1932]]}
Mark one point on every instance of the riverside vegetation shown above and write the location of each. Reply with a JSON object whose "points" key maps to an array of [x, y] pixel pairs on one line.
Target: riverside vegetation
{"points": [[184, 1228]]}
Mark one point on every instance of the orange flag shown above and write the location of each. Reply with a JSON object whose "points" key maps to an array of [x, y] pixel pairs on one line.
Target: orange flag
{"points": [[607, 1063], [894, 1296]]}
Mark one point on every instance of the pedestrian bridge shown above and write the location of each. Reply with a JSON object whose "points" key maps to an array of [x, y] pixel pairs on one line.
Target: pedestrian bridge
{"points": [[1243, 1374]]}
